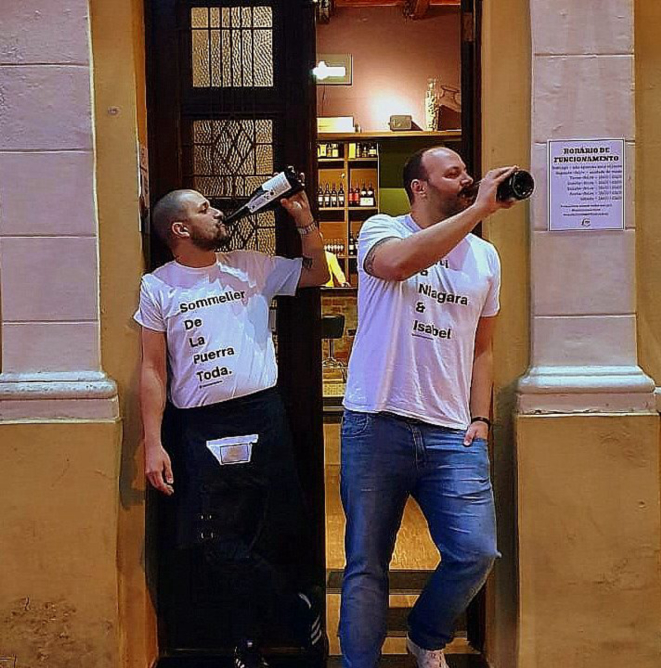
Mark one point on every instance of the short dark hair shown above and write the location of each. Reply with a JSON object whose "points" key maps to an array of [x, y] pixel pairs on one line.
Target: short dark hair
{"points": [[169, 209], [414, 169]]}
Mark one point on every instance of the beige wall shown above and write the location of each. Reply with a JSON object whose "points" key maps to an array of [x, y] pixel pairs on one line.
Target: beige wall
{"points": [[58, 581], [648, 193], [72, 581], [118, 49], [589, 536], [552, 453], [506, 140]]}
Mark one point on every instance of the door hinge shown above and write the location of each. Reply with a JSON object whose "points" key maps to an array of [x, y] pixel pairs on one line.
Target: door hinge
{"points": [[468, 27]]}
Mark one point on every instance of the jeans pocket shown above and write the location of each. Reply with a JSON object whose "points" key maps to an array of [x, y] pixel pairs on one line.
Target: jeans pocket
{"points": [[355, 423]]}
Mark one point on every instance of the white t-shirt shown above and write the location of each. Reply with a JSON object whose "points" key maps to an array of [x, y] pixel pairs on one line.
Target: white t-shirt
{"points": [[216, 320], [413, 351]]}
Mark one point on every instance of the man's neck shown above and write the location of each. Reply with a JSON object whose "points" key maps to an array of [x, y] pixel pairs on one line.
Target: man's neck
{"points": [[194, 257], [424, 217]]}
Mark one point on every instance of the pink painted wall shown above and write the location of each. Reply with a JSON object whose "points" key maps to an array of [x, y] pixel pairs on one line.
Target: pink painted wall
{"points": [[392, 59]]}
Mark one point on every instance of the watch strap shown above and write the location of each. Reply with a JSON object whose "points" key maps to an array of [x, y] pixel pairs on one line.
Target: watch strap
{"points": [[307, 229]]}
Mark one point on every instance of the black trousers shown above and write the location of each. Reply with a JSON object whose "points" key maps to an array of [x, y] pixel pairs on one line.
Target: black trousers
{"points": [[247, 519]]}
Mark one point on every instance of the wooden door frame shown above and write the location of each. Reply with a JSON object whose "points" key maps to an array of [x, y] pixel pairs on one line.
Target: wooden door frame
{"points": [[471, 132]]}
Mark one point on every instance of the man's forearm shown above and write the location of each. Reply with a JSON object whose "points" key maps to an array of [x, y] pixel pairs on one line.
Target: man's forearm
{"points": [[314, 258], [152, 404], [481, 384]]}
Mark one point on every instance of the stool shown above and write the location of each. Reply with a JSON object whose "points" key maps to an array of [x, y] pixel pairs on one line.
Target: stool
{"points": [[332, 327]]}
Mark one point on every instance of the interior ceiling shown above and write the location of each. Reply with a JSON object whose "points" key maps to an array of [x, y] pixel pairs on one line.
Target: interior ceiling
{"points": [[414, 8]]}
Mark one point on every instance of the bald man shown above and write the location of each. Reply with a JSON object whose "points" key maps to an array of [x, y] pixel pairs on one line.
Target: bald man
{"points": [[417, 405], [229, 468]]}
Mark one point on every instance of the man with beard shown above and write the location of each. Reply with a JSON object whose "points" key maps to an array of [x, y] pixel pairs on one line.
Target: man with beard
{"points": [[417, 405], [207, 348]]}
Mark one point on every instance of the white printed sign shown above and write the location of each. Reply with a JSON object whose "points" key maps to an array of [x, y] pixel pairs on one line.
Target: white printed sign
{"points": [[586, 184]]}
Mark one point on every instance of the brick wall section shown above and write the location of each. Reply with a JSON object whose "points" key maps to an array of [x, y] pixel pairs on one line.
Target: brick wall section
{"points": [[334, 302]]}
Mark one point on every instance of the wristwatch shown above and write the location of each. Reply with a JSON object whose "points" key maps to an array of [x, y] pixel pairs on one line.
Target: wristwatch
{"points": [[307, 229], [486, 421]]}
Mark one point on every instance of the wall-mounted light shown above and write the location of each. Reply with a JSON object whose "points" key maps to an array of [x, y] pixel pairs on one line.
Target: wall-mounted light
{"points": [[334, 69], [323, 71]]}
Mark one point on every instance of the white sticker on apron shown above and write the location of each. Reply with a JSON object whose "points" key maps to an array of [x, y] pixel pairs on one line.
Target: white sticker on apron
{"points": [[233, 450]]}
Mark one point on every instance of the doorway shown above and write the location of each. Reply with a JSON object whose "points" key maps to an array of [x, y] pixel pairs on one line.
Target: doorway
{"points": [[230, 101], [379, 64]]}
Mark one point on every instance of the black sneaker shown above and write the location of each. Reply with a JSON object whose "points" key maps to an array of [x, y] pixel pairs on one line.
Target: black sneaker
{"points": [[312, 634], [246, 655]]}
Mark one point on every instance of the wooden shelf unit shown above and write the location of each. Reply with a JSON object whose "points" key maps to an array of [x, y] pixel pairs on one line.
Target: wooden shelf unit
{"points": [[325, 137], [338, 224]]}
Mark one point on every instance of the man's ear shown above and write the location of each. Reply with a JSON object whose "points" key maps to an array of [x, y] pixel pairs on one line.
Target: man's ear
{"points": [[418, 187], [180, 231]]}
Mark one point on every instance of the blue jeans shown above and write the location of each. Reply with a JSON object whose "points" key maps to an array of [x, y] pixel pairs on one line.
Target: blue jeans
{"points": [[386, 458]]}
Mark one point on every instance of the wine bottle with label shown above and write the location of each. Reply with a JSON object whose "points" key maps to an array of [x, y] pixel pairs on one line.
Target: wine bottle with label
{"points": [[327, 197], [320, 197], [268, 195], [364, 201], [340, 196], [333, 197], [519, 185], [370, 196]]}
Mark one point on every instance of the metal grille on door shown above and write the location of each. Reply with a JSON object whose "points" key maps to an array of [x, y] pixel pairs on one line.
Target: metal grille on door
{"points": [[229, 136]]}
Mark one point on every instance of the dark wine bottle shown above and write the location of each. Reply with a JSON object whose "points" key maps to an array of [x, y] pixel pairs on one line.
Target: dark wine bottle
{"points": [[363, 201], [518, 185], [370, 196], [269, 194]]}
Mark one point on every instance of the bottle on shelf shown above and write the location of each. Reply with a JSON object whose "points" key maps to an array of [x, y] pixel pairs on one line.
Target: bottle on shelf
{"points": [[333, 197], [268, 195], [356, 196], [370, 196], [352, 247], [373, 152], [364, 200], [341, 199], [320, 197], [327, 196]]}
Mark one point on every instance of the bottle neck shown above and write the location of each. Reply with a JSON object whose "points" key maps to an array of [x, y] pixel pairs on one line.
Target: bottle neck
{"points": [[236, 215]]}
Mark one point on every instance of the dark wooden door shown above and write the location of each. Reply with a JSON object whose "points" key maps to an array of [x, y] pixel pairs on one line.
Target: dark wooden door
{"points": [[230, 101], [471, 131]]}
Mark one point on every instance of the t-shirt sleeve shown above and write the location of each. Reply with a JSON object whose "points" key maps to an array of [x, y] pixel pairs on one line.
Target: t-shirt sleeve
{"points": [[281, 275], [492, 302], [375, 230], [149, 314]]}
